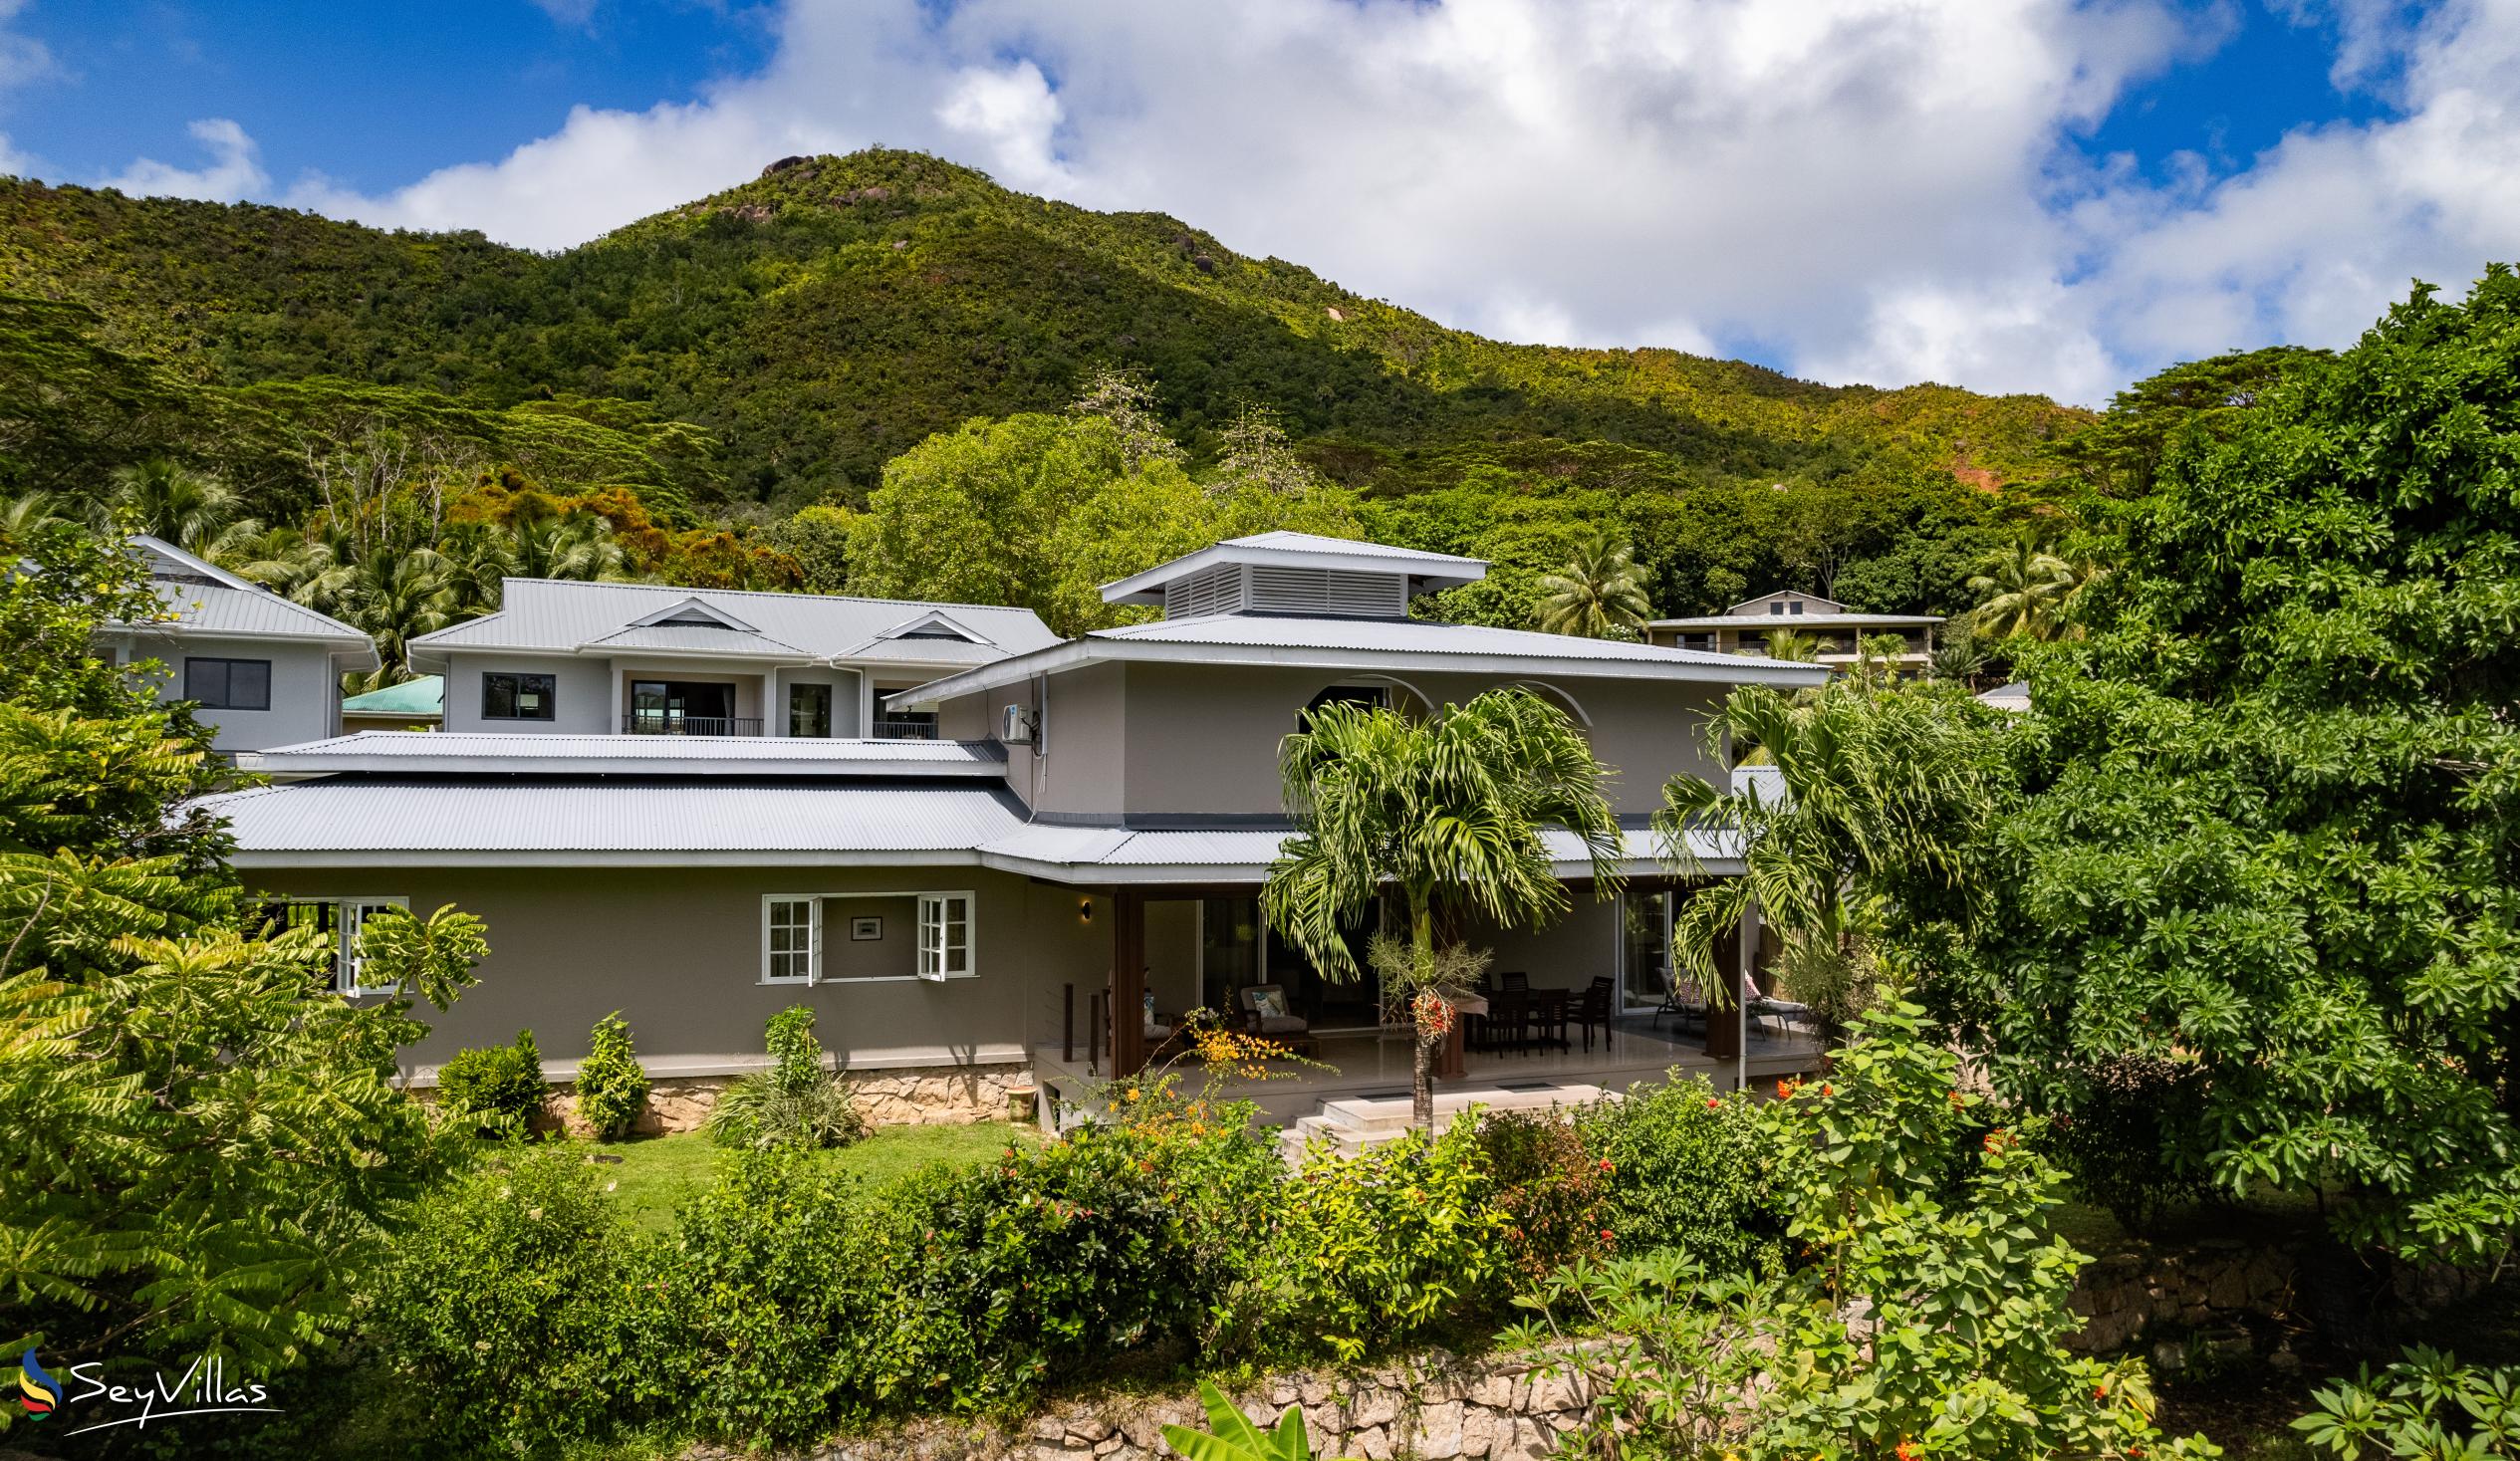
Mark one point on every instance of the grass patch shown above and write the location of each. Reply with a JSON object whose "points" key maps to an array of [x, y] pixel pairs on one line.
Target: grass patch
{"points": [[657, 1174]]}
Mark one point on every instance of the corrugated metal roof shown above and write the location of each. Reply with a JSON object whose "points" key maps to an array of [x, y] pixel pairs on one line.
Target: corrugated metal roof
{"points": [[558, 616], [655, 755], [1287, 540], [1299, 549], [1411, 636], [401, 819], [420, 696], [1753, 622], [209, 599]]}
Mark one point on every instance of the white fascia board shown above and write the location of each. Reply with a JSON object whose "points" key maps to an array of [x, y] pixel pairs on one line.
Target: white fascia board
{"points": [[181, 629], [708, 610], [1795, 621], [1729, 670], [1073, 874]]}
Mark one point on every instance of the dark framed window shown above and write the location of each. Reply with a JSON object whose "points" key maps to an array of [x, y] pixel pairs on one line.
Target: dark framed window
{"points": [[228, 684], [517, 697], [809, 711]]}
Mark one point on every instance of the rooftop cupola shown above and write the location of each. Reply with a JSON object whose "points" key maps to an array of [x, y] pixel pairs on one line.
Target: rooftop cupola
{"points": [[1295, 574]]}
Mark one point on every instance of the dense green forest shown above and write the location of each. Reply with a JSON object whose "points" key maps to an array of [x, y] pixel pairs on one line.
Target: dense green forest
{"points": [[729, 386]]}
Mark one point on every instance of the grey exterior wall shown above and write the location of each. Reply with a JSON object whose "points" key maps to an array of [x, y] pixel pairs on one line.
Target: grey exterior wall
{"points": [[845, 707], [306, 691], [679, 952], [582, 691], [1178, 740]]}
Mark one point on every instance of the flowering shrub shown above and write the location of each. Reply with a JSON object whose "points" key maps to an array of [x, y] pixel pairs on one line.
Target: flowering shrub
{"points": [[1687, 1169], [1551, 1191], [1376, 1248]]}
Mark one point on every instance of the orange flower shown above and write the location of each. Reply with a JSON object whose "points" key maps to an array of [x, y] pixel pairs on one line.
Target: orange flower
{"points": [[1909, 1451]]}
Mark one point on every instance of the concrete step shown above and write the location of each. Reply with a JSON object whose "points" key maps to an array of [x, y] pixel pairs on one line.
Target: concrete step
{"points": [[1349, 1127]]}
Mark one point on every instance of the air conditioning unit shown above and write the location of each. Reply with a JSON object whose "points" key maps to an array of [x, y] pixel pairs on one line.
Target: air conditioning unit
{"points": [[1015, 726]]}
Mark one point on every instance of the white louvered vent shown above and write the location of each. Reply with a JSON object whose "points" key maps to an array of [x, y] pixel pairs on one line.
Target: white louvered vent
{"points": [[1217, 590], [1327, 591]]}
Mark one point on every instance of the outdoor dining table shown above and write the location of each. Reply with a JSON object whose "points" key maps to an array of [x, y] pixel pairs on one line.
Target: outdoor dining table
{"points": [[1531, 1016]]}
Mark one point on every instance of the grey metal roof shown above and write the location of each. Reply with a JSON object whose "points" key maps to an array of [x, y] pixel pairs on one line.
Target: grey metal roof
{"points": [[397, 822], [209, 599], [1750, 622], [1300, 550], [1348, 644], [393, 823], [558, 616], [402, 751], [700, 640]]}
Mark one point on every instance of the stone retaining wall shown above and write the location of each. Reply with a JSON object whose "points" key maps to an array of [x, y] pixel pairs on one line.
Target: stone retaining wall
{"points": [[913, 1095], [1438, 1407], [2243, 1298]]}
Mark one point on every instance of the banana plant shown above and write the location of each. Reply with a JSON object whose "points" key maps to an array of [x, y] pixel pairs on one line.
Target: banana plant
{"points": [[1231, 1436]]}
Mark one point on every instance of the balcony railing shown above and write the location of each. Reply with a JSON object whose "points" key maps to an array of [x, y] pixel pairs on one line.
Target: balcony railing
{"points": [[891, 728], [660, 723]]}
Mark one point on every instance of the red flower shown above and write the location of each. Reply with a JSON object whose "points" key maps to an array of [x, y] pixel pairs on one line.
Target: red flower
{"points": [[2100, 1391], [1827, 1091], [1605, 1235], [1909, 1451], [1712, 1104]]}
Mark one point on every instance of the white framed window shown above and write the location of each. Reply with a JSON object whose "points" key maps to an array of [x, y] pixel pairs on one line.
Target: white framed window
{"points": [[343, 918], [791, 938], [945, 936]]}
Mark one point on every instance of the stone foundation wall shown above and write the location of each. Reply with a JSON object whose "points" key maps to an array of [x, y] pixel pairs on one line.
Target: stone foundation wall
{"points": [[1438, 1407], [914, 1096]]}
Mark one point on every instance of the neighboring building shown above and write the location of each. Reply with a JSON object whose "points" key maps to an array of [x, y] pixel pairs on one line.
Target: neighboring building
{"points": [[260, 669], [2013, 697], [1745, 630], [1094, 820], [576, 659], [419, 703]]}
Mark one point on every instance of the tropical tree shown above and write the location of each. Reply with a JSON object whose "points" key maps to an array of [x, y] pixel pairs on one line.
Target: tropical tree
{"points": [[1598, 594], [1449, 815], [396, 602], [1884, 797], [2270, 831], [2022, 591], [169, 500], [1798, 646], [576, 545]]}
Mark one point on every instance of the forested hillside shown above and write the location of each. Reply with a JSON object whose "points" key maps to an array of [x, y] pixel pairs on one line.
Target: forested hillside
{"points": [[775, 346]]}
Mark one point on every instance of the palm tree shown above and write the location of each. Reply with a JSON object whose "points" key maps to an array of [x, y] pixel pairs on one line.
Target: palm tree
{"points": [[2022, 590], [28, 513], [1879, 790], [396, 600], [1798, 646], [169, 500], [1598, 594], [580, 545], [1445, 812]]}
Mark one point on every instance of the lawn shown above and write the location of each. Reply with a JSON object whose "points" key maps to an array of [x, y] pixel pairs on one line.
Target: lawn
{"points": [[657, 1173]]}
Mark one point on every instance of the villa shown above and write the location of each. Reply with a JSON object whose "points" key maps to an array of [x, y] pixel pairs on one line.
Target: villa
{"points": [[260, 669], [978, 852], [1839, 631]]}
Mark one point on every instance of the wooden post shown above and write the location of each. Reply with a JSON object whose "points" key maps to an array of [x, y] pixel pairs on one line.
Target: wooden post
{"points": [[1128, 982], [1068, 1023], [1450, 1062]]}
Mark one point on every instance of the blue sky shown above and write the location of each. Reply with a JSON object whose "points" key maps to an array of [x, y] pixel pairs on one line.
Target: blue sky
{"points": [[2036, 195]]}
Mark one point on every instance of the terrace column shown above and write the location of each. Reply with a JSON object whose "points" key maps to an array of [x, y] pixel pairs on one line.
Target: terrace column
{"points": [[1128, 981], [1723, 1019]]}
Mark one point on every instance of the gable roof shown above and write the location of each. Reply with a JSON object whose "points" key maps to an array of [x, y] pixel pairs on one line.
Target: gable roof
{"points": [[562, 616], [209, 599], [483, 752], [1284, 549]]}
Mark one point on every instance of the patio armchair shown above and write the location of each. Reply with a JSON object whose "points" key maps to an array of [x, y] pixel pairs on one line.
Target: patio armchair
{"points": [[1784, 1011], [1264, 1012], [1684, 1002]]}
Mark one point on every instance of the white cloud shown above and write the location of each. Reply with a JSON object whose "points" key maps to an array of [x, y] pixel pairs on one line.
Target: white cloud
{"points": [[235, 170], [1862, 189]]}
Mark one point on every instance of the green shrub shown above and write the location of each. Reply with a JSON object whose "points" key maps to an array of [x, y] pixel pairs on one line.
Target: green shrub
{"points": [[794, 1103], [500, 1319], [1066, 1261], [1551, 1190], [2426, 1405], [1688, 1169], [611, 1087], [2136, 1136], [502, 1087], [1380, 1247], [775, 1306]]}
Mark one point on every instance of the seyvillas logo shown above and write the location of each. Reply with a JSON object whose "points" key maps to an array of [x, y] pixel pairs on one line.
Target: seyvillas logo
{"points": [[203, 1388], [39, 1393]]}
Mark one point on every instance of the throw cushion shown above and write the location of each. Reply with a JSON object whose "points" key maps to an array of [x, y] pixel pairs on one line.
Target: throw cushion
{"points": [[1269, 1004]]}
